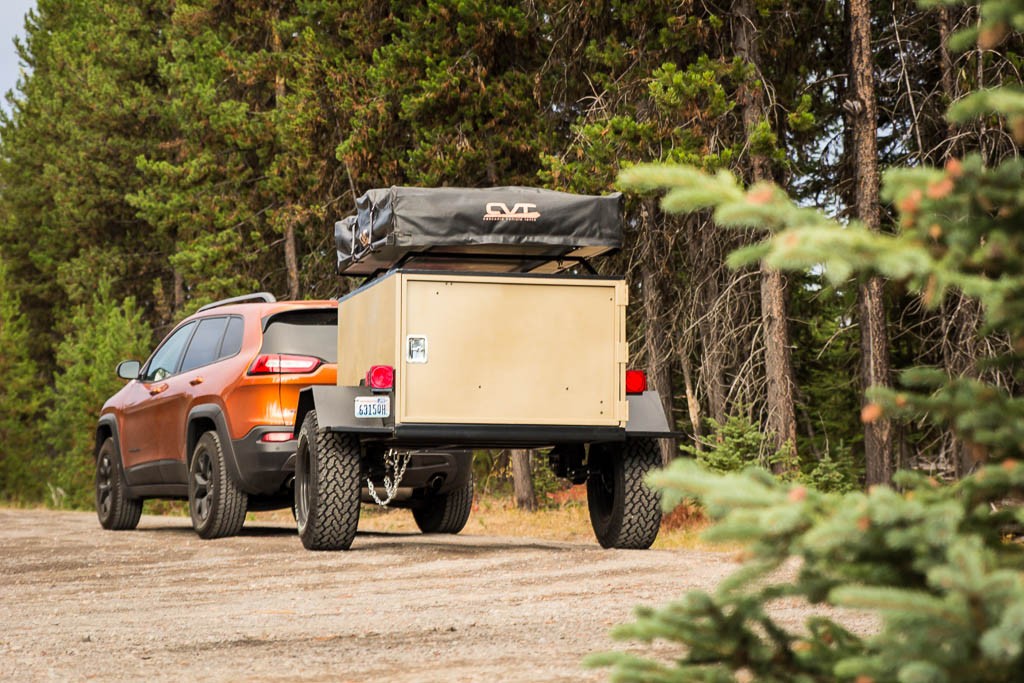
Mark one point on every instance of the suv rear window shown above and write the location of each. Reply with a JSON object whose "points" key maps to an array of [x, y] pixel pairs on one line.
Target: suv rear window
{"points": [[303, 333]]}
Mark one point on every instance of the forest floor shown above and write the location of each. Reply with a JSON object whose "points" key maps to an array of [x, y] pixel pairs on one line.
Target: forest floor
{"points": [[80, 603]]}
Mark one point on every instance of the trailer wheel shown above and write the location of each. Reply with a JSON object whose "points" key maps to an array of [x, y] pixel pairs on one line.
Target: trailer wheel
{"points": [[446, 513], [624, 511], [327, 468]]}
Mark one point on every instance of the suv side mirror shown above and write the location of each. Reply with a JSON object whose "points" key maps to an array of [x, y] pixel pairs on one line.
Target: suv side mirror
{"points": [[129, 369]]}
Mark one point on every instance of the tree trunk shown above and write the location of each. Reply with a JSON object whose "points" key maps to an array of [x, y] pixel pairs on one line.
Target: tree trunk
{"points": [[693, 405], [874, 337], [774, 319], [179, 293], [948, 76], [522, 479], [654, 257], [713, 357], [291, 261]]}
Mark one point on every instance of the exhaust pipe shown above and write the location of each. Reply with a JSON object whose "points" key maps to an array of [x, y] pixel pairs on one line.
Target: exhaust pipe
{"points": [[435, 483]]}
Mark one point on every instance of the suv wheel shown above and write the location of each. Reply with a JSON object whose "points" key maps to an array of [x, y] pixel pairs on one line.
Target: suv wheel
{"points": [[215, 503], [446, 513], [327, 483], [114, 508], [624, 511]]}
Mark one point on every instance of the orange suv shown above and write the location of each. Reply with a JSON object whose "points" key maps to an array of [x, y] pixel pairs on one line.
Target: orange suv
{"points": [[209, 416]]}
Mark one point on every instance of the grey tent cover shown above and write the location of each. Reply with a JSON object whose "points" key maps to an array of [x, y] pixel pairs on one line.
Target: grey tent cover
{"points": [[396, 224]]}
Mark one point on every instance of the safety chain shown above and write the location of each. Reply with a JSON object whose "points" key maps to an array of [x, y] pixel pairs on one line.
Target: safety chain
{"points": [[396, 464]]}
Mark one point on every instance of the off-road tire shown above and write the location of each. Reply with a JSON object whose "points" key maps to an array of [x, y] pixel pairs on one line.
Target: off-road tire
{"points": [[114, 508], [216, 505], [624, 511], [327, 484], [446, 513]]}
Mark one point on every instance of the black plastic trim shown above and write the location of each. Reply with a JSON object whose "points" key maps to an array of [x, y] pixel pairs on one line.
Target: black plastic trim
{"points": [[144, 474], [264, 467], [177, 491], [109, 421]]}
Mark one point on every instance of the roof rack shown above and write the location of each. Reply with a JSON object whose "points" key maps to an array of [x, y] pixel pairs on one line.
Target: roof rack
{"points": [[265, 297]]}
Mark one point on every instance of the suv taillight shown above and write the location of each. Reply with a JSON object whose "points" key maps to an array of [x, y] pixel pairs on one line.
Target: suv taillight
{"points": [[636, 381], [381, 377], [282, 364]]}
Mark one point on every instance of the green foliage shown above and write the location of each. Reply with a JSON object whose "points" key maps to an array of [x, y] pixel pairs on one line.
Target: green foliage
{"points": [[101, 333], [20, 399], [739, 444], [732, 446], [932, 561], [87, 106], [833, 472], [958, 231], [928, 559], [802, 119]]}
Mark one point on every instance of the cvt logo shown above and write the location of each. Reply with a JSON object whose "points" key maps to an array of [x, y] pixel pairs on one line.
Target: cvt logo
{"points": [[499, 211]]}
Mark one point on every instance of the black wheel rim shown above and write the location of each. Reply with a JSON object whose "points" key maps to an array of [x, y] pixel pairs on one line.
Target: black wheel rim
{"points": [[104, 485], [302, 487], [202, 476]]}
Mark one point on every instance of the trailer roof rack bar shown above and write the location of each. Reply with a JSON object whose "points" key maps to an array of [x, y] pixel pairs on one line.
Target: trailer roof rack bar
{"points": [[529, 262], [265, 297]]}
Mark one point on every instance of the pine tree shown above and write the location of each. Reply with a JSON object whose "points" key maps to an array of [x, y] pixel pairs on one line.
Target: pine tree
{"points": [[89, 104], [214, 196], [931, 559], [20, 398], [103, 332]]}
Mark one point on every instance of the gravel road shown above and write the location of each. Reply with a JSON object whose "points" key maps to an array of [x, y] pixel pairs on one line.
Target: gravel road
{"points": [[80, 603]]}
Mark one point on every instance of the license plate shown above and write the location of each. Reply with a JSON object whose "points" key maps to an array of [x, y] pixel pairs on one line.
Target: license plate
{"points": [[373, 406]]}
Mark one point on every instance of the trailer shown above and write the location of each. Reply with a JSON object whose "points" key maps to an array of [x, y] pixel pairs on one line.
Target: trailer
{"points": [[481, 324]]}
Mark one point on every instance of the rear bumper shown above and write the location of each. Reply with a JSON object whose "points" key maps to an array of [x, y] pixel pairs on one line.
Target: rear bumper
{"points": [[264, 467]]}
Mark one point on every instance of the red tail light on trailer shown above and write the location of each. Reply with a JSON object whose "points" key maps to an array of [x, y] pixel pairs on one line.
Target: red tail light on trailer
{"points": [[282, 364], [381, 377], [636, 381]]}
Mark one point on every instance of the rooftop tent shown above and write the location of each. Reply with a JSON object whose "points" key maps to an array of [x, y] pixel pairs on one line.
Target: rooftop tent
{"points": [[498, 229]]}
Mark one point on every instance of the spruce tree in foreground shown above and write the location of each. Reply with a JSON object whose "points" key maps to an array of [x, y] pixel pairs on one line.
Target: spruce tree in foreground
{"points": [[933, 561]]}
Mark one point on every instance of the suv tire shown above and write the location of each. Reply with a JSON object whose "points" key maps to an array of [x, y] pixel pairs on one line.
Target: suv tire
{"points": [[327, 486], [116, 511], [446, 513], [216, 505], [624, 511]]}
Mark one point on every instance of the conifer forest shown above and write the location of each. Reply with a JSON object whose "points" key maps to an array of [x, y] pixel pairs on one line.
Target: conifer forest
{"points": [[823, 209], [160, 155]]}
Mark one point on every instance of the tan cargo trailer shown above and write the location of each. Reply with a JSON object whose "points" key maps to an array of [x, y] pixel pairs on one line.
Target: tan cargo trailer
{"points": [[491, 350], [479, 327]]}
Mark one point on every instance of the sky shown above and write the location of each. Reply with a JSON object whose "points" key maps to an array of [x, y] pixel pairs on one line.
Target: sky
{"points": [[12, 22]]}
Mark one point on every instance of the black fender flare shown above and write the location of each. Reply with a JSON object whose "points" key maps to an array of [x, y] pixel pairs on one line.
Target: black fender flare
{"points": [[108, 421], [213, 413]]}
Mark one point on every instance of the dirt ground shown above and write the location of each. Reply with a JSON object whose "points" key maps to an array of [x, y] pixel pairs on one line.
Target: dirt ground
{"points": [[80, 603]]}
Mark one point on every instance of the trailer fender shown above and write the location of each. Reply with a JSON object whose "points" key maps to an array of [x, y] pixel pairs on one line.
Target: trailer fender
{"points": [[647, 416], [335, 410]]}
